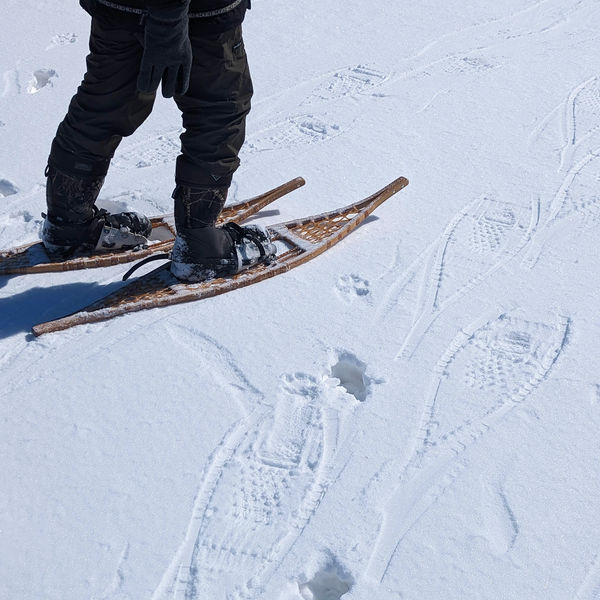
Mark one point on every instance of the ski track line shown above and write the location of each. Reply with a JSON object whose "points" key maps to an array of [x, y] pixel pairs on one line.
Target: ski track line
{"points": [[494, 338], [261, 488], [458, 87], [226, 371], [270, 100], [556, 219], [541, 126], [435, 96], [590, 588], [119, 578], [500, 525], [493, 22], [395, 262], [494, 232], [570, 124], [394, 290]]}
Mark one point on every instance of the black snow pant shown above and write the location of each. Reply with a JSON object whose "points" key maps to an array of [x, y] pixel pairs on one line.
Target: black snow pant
{"points": [[108, 107]]}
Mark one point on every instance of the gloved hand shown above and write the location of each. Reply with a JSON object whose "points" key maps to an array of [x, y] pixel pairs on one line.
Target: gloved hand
{"points": [[167, 51]]}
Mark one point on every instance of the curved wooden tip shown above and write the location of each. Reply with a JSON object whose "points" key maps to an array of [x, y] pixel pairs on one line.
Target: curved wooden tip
{"points": [[299, 182], [402, 182]]}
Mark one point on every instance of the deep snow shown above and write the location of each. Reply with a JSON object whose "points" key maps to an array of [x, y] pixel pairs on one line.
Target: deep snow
{"points": [[414, 414]]}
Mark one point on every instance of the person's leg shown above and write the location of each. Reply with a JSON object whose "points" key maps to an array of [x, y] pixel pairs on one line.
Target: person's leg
{"points": [[106, 107], [214, 110], [214, 117]]}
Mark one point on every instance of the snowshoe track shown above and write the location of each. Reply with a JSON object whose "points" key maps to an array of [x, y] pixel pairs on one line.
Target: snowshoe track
{"points": [[516, 355], [158, 150], [574, 209], [262, 487], [349, 82], [293, 131], [479, 240]]}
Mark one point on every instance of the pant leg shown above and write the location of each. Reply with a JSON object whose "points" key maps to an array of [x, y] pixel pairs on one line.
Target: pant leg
{"points": [[107, 106], [214, 110]]}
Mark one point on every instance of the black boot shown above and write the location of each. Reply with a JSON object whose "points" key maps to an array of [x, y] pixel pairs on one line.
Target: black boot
{"points": [[203, 251], [74, 223]]}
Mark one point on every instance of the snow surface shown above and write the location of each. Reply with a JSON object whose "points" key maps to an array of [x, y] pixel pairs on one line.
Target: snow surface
{"points": [[415, 414]]}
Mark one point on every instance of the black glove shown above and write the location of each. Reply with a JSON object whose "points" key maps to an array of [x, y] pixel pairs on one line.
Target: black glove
{"points": [[167, 51]]}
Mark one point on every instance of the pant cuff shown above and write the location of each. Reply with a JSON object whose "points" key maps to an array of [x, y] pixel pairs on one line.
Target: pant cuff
{"points": [[76, 166], [190, 174]]}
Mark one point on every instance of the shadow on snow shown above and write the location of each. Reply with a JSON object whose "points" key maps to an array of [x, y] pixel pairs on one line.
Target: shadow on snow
{"points": [[20, 312]]}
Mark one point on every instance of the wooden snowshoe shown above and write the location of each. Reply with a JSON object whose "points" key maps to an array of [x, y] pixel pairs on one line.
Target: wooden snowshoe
{"points": [[301, 241], [33, 258]]}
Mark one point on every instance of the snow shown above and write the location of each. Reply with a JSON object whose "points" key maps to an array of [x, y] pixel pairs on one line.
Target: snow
{"points": [[414, 414]]}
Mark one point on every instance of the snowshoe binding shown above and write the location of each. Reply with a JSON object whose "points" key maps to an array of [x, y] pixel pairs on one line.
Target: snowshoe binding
{"points": [[240, 248], [74, 224]]}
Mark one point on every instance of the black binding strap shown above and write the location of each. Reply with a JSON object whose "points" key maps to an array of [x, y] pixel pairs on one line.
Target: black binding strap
{"points": [[247, 233], [92, 234], [146, 261]]}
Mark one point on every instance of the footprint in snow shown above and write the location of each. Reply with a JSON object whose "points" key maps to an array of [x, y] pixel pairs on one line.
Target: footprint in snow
{"points": [[7, 188], [350, 287], [41, 79], [62, 39], [329, 583], [350, 372]]}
